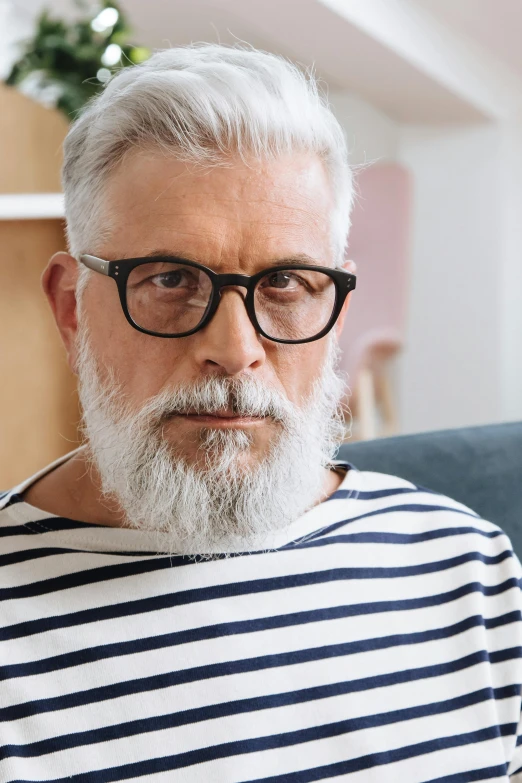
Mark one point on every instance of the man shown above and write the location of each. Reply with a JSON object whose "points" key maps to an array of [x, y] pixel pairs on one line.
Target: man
{"points": [[200, 593]]}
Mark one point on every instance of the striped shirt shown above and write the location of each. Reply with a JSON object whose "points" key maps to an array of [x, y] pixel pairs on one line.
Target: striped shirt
{"points": [[377, 640]]}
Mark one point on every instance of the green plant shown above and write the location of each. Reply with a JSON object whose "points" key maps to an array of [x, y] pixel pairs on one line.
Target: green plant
{"points": [[66, 63]]}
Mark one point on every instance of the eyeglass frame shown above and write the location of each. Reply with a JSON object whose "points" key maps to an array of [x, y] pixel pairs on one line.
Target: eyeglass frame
{"points": [[120, 271]]}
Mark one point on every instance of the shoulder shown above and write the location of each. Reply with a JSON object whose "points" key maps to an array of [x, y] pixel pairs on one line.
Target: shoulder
{"points": [[8, 497], [398, 511], [384, 491], [14, 518]]}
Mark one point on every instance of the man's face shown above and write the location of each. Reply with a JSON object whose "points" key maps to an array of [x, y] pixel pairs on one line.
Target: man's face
{"points": [[234, 218]]}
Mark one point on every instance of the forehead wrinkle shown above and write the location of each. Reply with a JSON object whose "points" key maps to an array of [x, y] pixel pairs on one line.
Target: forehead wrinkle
{"points": [[256, 221], [305, 203], [216, 245], [214, 224], [282, 215], [301, 258], [211, 244]]}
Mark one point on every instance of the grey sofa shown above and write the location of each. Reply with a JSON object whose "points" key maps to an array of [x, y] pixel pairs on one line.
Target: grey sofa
{"points": [[479, 466]]}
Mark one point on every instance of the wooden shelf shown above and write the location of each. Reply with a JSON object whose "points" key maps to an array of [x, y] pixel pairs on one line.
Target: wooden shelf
{"points": [[31, 206]]}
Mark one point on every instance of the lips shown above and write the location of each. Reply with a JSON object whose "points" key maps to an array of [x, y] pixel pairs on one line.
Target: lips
{"points": [[220, 415]]}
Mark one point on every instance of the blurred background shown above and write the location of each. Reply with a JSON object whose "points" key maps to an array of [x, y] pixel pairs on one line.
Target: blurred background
{"points": [[429, 93]]}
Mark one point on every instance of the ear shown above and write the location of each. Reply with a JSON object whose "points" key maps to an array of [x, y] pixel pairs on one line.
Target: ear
{"points": [[349, 266], [59, 284]]}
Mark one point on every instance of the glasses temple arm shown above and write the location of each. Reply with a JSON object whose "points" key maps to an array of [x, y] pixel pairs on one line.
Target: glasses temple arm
{"points": [[95, 263]]}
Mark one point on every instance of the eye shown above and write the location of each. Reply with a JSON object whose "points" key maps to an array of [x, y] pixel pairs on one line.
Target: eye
{"points": [[283, 280], [178, 278]]}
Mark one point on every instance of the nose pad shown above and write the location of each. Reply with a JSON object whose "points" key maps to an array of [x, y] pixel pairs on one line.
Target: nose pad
{"points": [[237, 288], [233, 289]]}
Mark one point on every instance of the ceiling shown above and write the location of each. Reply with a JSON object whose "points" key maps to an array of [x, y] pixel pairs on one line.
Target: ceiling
{"points": [[343, 54], [495, 25]]}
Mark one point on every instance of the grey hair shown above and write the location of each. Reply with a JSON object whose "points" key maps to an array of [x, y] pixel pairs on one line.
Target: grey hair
{"points": [[201, 103]]}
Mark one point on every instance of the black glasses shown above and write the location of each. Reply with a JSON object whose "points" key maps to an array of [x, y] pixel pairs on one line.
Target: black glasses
{"points": [[168, 297]]}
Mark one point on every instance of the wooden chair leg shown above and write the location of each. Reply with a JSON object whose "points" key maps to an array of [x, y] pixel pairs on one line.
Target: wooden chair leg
{"points": [[385, 400], [366, 404]]}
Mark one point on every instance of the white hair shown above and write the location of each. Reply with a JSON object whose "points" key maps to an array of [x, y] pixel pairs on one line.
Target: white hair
{"points": [[201, 103]]}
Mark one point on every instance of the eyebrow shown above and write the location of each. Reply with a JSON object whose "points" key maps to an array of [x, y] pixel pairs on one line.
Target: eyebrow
{"points": [[298, 258]]}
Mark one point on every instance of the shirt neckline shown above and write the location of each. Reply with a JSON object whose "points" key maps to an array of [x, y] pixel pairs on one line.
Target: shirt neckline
{"points": [[102, 538]]}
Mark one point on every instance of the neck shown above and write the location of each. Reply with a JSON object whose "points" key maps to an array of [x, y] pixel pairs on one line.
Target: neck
{"points": [[72, 490]]}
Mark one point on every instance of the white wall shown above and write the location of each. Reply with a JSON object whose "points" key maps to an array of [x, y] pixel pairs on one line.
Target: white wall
{"points": [[371, 134], [451, 370], [511, 302], [459, 366]]}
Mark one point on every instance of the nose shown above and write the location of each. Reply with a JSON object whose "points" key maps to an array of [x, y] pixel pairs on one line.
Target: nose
{"points": [[229, 342]]}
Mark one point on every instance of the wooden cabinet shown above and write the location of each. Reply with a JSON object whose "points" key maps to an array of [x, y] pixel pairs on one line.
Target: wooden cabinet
{"points": [[38, 401]]}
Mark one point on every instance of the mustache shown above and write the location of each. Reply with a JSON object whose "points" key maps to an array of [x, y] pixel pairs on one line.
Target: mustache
{"points": [[213, 396]]}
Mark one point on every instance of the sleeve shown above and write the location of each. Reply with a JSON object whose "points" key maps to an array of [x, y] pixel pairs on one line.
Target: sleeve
{"points": [[503, 621], [515, 768], [515, 759]]}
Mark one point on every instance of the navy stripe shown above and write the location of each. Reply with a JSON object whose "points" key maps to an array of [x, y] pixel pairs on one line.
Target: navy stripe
{"points": [[53, 524], [259, 744], [169, 600], [374, 759], [340, 494], [24, 555], [508, 654], [342, 463], [14, 530], [378, 537], [503, 619], [383, 537], [411, 507], [272, 661], [375, 494], [122, 570], [244, 706], [91, 576], [429, 491], [61, 523], [11, 499], [87, 746], [472, 775], [47, 525], [215, 631]]}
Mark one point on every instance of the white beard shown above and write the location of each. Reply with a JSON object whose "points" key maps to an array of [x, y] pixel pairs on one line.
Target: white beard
{"points": [[220, 505]]}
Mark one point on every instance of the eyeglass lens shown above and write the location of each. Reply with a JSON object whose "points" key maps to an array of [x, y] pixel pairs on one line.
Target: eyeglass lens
{"points": [[171, 298]]}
